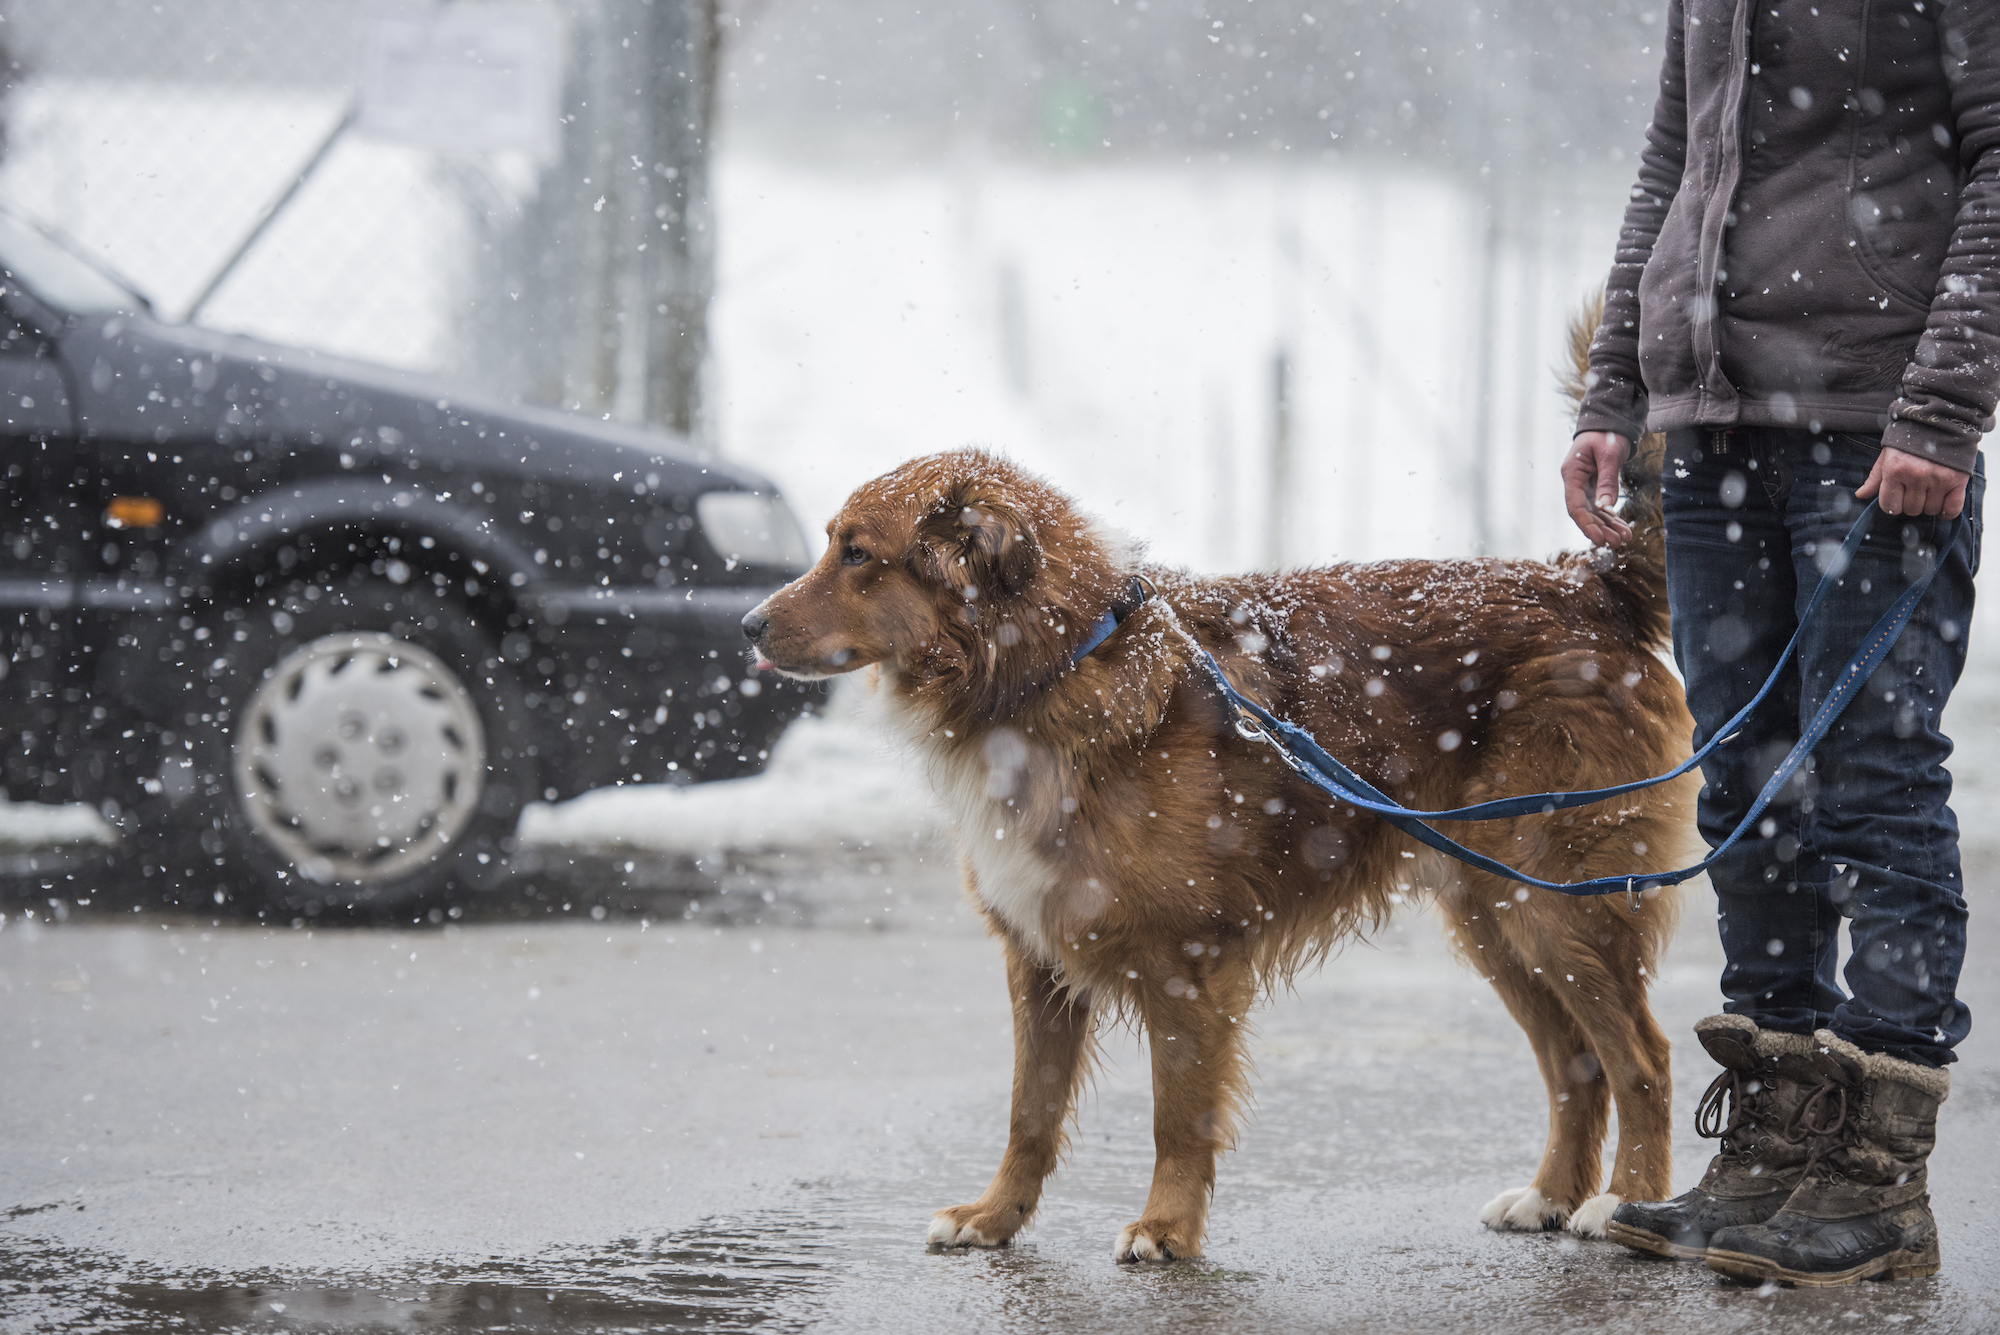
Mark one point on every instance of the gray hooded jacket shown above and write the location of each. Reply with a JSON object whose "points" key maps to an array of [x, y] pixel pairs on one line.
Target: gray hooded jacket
{"points": [[1814, 239]]}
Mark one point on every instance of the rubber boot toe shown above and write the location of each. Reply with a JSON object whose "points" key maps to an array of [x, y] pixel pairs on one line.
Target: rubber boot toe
{"points": [[1792, 1248], [1682, 1227]]}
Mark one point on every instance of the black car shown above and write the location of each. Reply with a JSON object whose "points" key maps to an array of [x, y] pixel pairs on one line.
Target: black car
{"points": [[314, 631]]}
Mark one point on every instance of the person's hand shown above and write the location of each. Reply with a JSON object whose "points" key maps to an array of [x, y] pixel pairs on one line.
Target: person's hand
{"points": [[1906, 484], [1590, 485]]}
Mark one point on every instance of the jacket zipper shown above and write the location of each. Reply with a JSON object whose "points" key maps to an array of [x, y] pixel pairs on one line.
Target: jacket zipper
{"points": [[1715, 213]]}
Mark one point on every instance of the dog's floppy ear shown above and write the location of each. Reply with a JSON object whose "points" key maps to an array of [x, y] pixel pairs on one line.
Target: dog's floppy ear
{"points": [[994, 539], [1002, 541]]}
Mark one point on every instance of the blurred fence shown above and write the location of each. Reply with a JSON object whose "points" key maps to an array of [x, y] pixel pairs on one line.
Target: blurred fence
{"points": [[1387, 213], [157, 137]]}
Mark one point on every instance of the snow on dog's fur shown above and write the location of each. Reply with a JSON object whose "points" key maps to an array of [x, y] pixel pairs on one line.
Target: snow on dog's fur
{"points": [[1135, 855]]}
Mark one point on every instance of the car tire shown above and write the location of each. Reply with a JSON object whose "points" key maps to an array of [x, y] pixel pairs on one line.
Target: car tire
{"points": [[346, 744]]}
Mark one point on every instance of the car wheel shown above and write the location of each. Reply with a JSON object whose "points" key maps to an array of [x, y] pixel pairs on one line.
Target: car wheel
{"points": [[350, 744]]}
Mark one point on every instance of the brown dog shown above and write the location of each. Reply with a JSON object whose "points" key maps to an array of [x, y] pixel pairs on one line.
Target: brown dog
{"points": [[1136, 855]]}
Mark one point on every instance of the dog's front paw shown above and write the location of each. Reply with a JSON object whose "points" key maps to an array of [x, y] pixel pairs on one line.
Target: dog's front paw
{"points": [[1522, 1210], [968, 1226], [1588, 1219], [1158, 1240]]}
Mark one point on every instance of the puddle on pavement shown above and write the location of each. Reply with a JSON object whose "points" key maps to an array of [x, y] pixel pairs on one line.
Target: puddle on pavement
{"points": [[728, 1275], [863, 1268]]}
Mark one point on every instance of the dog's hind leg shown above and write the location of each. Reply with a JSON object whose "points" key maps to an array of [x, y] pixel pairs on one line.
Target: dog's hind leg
{"points": [[1610, 958], [1590, 959], [1578, 1102], [1052, 1036]]}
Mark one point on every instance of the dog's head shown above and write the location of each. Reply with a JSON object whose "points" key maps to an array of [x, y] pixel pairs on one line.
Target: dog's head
{"points": [[956, 565]]}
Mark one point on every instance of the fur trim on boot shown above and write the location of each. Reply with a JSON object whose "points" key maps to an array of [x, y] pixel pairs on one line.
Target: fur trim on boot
{"points": [[1765, 1077], [1862, 1208]]}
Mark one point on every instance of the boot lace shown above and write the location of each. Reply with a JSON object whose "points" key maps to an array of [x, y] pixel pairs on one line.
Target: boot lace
{"points": [[1819, 1119], [1738, 1129]]}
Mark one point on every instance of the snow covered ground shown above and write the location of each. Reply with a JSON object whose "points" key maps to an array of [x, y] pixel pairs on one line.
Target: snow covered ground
{"points": [[832, 778], [1115, 326]]}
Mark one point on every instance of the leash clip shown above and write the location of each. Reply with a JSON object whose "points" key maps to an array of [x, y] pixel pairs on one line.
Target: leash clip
{"points": [[1248, 727], [1632, 894]]}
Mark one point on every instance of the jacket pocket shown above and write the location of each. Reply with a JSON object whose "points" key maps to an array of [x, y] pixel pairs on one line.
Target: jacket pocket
{"points": [[1887, 265], [1666, 291]]}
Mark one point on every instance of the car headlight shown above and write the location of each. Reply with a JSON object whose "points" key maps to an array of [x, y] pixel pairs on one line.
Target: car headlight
{"points": [[749, 528]]}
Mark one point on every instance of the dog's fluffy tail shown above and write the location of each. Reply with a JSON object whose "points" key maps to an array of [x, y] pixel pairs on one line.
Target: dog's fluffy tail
{"points": [[1635, 573]]}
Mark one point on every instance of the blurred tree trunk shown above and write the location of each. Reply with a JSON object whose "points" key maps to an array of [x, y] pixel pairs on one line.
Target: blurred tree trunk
{"points": [[676, 270], [594, 295]]}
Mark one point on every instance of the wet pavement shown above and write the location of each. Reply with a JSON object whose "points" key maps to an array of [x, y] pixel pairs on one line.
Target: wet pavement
{"points": [[694, 1112]]}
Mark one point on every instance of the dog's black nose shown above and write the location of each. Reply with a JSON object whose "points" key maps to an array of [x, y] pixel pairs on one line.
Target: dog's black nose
{"points": [[755, 623]]}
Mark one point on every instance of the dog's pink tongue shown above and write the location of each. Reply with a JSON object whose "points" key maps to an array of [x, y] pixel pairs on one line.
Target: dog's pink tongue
{"points": [[765, 665]]}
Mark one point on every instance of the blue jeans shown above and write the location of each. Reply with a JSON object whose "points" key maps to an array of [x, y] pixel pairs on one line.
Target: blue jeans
{"points": [[1864, 830]]}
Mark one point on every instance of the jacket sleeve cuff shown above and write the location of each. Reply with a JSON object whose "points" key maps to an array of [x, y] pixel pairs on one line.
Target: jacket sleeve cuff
{"points": [[1927, 442], [1605, 417]]}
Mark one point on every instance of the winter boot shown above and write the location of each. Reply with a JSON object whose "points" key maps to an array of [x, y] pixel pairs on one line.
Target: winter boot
{"points": [[1765, 1077], [1862, 1209]]}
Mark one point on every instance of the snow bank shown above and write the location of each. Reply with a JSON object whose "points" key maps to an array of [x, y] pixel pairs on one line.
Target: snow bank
{"points": [[39, 825], [832, 782]]}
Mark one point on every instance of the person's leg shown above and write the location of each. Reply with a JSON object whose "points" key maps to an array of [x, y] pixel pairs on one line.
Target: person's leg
{"points": [[1881, 822], [1862, 1206], [1732, 589], [1730, 583]]}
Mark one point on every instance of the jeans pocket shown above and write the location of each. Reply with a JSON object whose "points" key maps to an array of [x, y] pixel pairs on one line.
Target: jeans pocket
{"points": [[1975, 511]]}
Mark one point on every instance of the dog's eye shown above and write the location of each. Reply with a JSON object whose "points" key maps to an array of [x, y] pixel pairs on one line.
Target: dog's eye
{"points": [[853, 556]]}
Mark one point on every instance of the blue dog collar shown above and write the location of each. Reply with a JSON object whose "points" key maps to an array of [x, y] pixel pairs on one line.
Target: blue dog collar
{"points": [[1136, 593]]}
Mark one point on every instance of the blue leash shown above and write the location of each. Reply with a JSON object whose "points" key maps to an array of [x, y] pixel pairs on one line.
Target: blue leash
{"points": [[1297, 748]]}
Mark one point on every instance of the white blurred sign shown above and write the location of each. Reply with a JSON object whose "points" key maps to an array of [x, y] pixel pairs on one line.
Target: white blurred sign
{"points": [[463, 78]]}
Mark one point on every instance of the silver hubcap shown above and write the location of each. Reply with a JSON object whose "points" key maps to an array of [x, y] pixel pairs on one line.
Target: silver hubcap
{"points": [[360, 757]]}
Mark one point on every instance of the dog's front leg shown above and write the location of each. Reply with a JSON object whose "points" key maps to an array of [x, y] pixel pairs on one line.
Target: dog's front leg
{"points": [[1052, 1031], [1197, 1076]]}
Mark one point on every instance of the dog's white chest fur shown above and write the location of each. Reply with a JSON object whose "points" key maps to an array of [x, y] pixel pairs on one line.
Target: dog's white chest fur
{"points": [[1012, 879], [974, 784]]}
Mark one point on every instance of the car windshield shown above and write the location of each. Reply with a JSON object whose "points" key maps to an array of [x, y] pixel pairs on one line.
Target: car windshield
{"points": [[58, 277]]}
